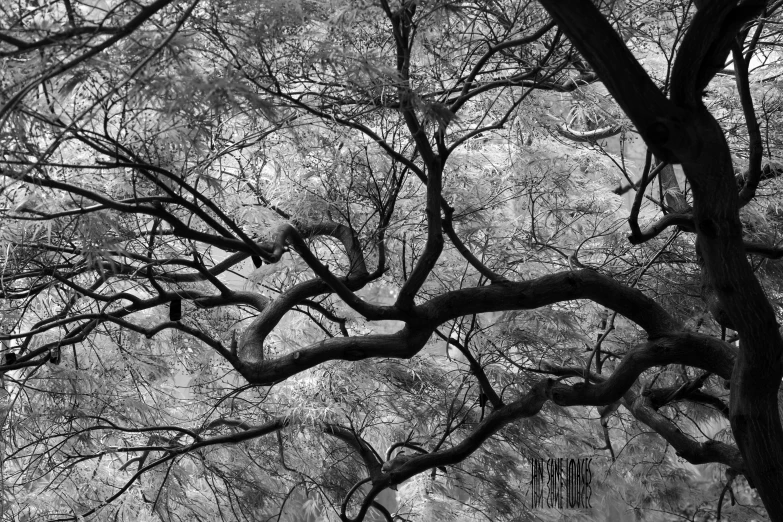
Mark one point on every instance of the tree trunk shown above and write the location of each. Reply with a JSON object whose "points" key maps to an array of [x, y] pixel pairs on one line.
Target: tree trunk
{"points": [[681, 130], [754, 415]]}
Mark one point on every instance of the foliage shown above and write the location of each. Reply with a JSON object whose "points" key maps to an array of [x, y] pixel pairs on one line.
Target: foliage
{"points": [[367, 260]]}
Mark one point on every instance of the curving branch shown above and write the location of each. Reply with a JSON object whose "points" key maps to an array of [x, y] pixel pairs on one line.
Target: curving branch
{"points": [[755, 148], [691, 450], [288, 234], [470, 81], [635, 92], [271, 311], [369, 456], [682, 221], [768, 170], [589, 136], [251, 344], [481, 268], [564, 286], [477, 370], [706, 45], [688, 349], [661, 397]]}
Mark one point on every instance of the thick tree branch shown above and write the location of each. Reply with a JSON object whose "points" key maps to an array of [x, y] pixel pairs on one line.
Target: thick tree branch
{"points": [[634, 91], [683, 221], [582, 284], [691, 450], [608, 391], [688, 349], [706, 45], [660, 397]]}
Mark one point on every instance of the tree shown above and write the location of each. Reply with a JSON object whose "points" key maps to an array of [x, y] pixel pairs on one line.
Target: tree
{"points": [[431, 256]]}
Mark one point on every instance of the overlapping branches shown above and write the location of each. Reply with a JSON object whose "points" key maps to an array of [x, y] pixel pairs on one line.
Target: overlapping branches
{"points": [[114, 257]]}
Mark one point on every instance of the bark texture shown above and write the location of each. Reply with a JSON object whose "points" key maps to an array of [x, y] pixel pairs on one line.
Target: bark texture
{"points": [[681, 130]]}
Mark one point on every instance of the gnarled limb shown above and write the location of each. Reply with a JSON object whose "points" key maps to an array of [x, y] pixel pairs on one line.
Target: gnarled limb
{"points": [[424, 318], [404, 344], [683, 349], [635, 92], [402, 28], [686, 447], [684, 131], [687, 348]]}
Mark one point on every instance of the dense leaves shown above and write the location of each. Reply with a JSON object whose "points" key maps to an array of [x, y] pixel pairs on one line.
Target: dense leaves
{"points": [[367, 260]]}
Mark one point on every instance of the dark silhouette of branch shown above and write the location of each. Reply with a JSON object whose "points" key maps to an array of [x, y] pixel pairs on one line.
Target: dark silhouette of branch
{"points": [[683, 221], [145, 14], [755, 148]]}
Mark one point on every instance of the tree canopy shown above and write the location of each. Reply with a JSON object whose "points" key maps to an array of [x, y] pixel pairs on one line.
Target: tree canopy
{"points": [[368, 260]]}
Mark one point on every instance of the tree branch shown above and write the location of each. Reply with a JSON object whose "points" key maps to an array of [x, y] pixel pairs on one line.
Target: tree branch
{"points": [[588, 136]]}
